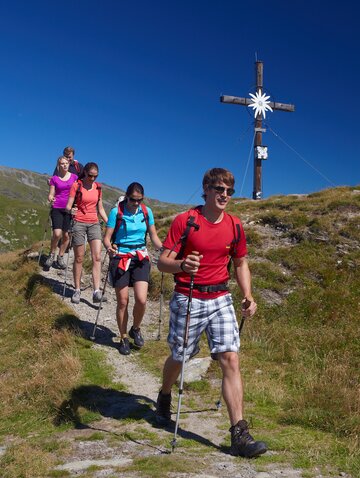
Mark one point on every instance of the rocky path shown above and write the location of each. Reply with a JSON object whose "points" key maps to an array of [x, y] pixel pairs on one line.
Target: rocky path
{"points": [[120, 440]]}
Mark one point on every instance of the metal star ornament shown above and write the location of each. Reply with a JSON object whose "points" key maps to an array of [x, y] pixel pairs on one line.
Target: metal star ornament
{"points": [[260, 103]]}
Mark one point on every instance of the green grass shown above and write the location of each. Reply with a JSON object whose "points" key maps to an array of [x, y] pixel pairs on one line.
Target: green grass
{"points": [[24, 207], [155, 285], [46, 371], [155, 466], [299, 358], [21, 223]]}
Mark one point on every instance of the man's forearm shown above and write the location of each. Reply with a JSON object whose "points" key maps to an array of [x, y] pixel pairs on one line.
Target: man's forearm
{"points": [[243, 278], [169, 264]]}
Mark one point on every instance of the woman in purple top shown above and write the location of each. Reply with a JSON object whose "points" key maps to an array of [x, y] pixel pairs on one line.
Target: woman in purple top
{"points": [[60, 186]]}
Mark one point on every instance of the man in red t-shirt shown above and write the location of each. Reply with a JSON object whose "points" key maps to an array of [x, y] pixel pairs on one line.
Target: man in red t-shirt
{"points": [[216, 238]]}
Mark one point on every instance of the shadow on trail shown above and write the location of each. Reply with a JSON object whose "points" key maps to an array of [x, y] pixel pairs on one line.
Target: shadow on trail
{"points": [[89, 304], [115, 404], [108, 402], [103, 335], [57, 286]]}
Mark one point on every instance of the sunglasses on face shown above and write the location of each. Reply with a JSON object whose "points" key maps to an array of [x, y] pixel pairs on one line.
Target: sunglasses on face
{"points": [[221, 190], [92, 176], [135, 199]]}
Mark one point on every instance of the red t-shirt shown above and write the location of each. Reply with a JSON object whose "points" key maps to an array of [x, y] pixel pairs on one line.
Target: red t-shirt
{"points": [[87, 203], [213, 242]]}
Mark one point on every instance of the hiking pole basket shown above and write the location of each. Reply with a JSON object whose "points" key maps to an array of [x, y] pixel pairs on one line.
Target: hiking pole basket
{"points": [[185, 344], [47, 223], [92, 336], [161, 304], [246, 305]]}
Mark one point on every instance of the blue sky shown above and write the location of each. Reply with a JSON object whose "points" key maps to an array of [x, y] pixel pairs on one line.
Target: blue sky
{"points": [[135, 87]]}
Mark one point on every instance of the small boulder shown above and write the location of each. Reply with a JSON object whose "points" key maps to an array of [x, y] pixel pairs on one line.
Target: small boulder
{"points": [[196, 368], [32, 255]]}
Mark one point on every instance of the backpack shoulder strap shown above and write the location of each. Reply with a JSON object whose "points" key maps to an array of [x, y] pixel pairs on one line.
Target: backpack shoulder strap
{"points": [[237, 233], [193, 215], [76, 164], [119, 218], [78, 193], [98, 188], [146, 215]]}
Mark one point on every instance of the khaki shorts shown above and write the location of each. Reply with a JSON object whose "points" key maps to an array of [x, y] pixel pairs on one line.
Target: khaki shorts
{"points": [[82, 229]]}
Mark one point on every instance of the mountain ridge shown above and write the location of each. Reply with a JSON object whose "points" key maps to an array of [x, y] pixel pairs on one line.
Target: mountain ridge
{"points": [[23, 194]]}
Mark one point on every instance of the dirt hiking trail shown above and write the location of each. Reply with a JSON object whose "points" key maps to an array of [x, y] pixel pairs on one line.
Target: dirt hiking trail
{"points": [[121, 440]]}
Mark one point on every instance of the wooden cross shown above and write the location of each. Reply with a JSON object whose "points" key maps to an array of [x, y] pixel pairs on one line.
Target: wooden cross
{"points": [[258, 129]]}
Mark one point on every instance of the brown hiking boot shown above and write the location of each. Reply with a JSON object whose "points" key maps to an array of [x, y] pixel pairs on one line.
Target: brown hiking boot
{"points": [[243, 444], [163, 411]]}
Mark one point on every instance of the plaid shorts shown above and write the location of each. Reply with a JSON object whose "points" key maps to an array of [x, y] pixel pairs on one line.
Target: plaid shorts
{"points": [[214, 316]]}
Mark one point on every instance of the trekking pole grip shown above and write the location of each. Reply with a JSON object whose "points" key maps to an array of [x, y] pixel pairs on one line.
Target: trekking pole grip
{"points": [[245, 305]]}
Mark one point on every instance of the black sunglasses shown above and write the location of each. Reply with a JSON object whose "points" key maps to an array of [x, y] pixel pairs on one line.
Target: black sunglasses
{"points": [[135, 199], [92, 176], [221, 190]]}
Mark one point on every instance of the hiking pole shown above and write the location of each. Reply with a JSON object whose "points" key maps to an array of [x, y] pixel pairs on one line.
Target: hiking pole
{"points": [[44, 236], [92, 336], [161, 304], [68, 255], [186, 337], [245, 306]]}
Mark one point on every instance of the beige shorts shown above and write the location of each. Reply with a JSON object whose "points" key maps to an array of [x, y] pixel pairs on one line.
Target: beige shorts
{"points": [[90, 231]]}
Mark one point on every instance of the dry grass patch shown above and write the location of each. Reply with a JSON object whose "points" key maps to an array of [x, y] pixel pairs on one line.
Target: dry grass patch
{"points": [[39, 363]]}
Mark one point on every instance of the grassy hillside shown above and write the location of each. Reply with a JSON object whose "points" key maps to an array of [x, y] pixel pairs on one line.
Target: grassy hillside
{"points": [[300, 354], [305, 257], [24, 208], [29, 186], [43, 359]]}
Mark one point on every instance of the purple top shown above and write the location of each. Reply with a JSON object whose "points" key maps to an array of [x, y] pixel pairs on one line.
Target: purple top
{"points": [[62, 190]]}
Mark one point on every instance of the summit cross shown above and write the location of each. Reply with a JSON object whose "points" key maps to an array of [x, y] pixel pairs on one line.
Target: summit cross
{"points": [[259, 102]]}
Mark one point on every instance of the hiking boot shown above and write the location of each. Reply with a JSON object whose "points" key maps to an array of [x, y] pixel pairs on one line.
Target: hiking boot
{"points": [[124, 346], [60, 262], [243, 444], [135, 334], [97, 297], [75, 299], [163, 412], [50, 260]]}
